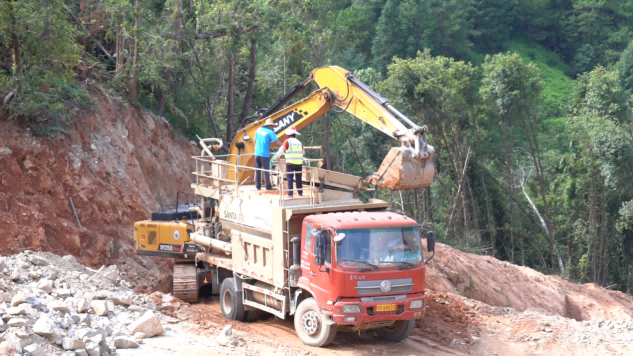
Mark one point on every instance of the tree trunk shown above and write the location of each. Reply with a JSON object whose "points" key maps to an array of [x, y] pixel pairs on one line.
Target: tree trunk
{"points": [[490, 227], [229, 99], [510, 178], [251, 81], [474, 206], [120, 40], [328, 156], [593, 220], [15, 41], [602, 237], [459, 188], [536, 159], [428, 205], [164, 94], [416, 203], [133, 82]]}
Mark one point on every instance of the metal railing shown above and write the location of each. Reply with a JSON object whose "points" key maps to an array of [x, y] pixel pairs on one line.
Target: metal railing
{"points": [[221, 163]]}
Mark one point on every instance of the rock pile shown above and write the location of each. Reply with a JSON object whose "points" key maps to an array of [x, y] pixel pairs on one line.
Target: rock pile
{"points": [[51, 305]]}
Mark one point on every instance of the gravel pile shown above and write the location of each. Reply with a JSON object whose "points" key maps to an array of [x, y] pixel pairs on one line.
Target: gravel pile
{"points": [[51, 305], [551, 328]]}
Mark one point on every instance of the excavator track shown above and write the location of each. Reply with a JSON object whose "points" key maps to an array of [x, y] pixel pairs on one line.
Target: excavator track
{"points": [[186, 282]]}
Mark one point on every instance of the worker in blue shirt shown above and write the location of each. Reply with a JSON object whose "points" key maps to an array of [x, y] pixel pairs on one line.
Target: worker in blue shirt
{"points": [[264, 136]]}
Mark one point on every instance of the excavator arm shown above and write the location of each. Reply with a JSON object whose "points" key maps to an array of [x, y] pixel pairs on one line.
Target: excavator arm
{"points": [[406, 167]]}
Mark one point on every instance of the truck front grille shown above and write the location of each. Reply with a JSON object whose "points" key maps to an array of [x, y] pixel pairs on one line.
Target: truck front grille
{"points": [[373, 287]]}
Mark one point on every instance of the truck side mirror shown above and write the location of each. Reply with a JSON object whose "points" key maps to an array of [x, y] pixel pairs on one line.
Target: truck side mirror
{"points": [[430, 241], [319, 257]]}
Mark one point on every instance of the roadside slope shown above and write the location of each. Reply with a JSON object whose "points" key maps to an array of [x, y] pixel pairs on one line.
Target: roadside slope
{"points": [[503, 284], [117, 165]]}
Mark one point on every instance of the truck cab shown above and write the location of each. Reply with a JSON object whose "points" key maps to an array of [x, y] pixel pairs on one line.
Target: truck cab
{"points": [[365, 270]]}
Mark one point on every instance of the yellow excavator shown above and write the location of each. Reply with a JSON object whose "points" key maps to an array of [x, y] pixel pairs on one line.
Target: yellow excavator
{"points": [[409, 166]]}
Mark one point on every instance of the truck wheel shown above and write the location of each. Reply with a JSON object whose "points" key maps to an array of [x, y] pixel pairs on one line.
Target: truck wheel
{"points": [[251, 315], [397, 332], [312, 327], [231, 300]]}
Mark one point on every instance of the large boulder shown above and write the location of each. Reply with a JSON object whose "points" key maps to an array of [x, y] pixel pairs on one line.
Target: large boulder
{"points": [[93, 349], [46, 285], [37, 260], [45, 327], [82, 304], [19, 298], [72, 344], [149, 324], [225, 337], [59, 306], [125, 342], [17, 322], [35, 350], [109, 274], [99, 307]]}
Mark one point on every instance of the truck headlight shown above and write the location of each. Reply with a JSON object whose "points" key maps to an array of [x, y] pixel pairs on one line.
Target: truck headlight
{"points": [[350, 309], [416, 304]]}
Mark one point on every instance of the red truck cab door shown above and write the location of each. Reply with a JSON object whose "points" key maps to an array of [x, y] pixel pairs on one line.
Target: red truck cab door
{"points": [[318, 276]]}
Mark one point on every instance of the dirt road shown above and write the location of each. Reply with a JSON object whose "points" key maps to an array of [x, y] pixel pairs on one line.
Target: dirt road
{"points": [[454, 325]]}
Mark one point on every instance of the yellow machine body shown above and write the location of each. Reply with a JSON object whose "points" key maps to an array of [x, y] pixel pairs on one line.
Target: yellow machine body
{"points": [[164, 238]]}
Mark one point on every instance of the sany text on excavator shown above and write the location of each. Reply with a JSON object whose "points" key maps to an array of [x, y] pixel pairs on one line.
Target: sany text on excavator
{"points": [[327, 258]]}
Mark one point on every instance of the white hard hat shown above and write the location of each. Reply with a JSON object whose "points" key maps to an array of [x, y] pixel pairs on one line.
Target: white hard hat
{"points": [[292, 131]]}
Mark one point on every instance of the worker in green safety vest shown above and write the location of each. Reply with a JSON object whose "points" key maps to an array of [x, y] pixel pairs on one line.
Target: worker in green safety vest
{"points": [[293, 150]]}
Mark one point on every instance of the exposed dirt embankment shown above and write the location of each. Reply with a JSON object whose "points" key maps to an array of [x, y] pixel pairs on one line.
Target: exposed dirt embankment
{"points": [[117, 165], [503, 284]]}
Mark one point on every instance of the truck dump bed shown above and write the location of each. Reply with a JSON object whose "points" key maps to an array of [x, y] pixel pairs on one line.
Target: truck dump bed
{"points": [[261, 223]]}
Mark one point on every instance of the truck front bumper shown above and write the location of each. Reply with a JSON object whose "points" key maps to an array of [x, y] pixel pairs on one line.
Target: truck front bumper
{"points": [[370, 306]]}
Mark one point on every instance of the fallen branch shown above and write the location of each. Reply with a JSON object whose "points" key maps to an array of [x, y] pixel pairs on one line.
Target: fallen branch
{"points": [[74, 211], [92, 38], [560, 260]]}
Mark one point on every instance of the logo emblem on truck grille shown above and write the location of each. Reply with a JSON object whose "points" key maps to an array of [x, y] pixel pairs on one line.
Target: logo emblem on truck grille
{"points": [[385, 286]]}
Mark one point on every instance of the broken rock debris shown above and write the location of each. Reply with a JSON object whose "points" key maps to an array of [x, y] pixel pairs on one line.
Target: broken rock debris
{"points": [[51, 305]]}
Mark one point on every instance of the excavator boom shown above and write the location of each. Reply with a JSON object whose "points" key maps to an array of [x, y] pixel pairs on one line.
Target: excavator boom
{"points": [[409, 166]]}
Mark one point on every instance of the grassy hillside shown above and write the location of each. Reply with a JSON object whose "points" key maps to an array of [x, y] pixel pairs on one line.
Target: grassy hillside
{"points": [[558, 86]]}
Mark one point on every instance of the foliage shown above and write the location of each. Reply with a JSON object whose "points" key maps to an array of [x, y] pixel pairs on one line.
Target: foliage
{"points": [[43, 49], [625, 68]]}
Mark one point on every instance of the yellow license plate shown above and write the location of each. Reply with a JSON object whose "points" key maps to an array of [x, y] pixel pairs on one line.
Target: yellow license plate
{"points": [[385, 307]]}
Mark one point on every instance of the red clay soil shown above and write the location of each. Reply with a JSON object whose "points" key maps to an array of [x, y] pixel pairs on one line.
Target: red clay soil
{"points": [[117, 165], [503, 284]]}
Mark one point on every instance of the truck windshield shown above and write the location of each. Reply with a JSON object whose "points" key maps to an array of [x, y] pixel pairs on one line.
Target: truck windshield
{"points": [[379, 247]]}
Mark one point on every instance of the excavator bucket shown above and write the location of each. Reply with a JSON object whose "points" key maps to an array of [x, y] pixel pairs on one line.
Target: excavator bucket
{"points": [[400, 170]]}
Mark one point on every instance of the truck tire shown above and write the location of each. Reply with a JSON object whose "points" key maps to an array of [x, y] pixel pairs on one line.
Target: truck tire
{"points": [[397, 332], [252, 315], [231, 300], [312, 327]]}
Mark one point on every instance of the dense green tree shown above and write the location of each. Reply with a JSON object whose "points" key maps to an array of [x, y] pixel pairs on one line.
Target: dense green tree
{"points": [[493, 24], [625, 68]]}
